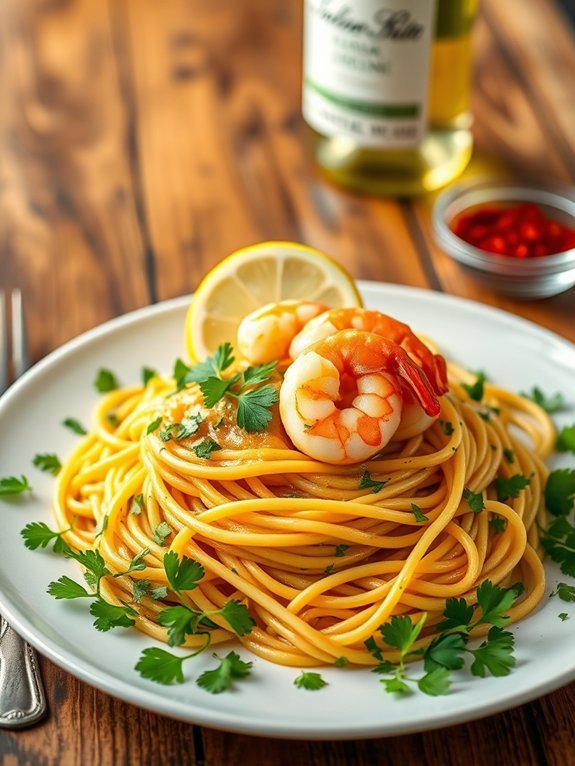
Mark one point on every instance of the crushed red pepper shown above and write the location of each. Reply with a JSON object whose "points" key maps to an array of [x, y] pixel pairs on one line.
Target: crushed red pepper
{"points": [[522, 231]]}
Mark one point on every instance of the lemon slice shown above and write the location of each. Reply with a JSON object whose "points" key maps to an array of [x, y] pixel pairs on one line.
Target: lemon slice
{"points": [[256, 275]]}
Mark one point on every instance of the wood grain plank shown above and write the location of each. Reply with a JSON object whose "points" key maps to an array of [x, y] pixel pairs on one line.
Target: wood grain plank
{"points": [[240, 170], [68, 228]]}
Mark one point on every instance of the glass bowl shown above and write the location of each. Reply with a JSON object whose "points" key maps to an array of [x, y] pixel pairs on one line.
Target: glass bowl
{"points": [[520, 277]]}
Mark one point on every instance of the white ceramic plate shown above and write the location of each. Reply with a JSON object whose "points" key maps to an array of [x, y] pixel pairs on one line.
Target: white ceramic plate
{"points": [[514, 352]]}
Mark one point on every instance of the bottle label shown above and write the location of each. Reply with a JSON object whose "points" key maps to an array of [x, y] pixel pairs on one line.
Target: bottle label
{"points": [[366, 69]]}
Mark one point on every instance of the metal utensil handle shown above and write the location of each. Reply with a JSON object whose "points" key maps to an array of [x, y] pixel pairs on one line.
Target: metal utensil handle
{"points": [[22, 700]]}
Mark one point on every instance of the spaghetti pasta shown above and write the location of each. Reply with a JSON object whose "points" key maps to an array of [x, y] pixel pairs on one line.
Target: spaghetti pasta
{"points": [[322, 555]]}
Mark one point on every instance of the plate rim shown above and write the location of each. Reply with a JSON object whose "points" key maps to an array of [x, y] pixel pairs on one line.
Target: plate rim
{"points": [[163, 705]]}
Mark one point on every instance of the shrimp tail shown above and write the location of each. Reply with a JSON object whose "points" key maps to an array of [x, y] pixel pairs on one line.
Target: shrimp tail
{"points": [[417, 382], [440, 369]]}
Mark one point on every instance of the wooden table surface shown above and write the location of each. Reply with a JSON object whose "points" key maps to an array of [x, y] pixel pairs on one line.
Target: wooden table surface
{"points": [[142, 141]]}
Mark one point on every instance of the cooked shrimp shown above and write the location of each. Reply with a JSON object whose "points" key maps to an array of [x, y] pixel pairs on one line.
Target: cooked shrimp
{"points": [[341, 399], [266, 333], [334, 320]]}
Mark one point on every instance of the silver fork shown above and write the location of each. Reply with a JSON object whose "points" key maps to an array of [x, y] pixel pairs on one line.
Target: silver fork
{"points": [[22, 698]]}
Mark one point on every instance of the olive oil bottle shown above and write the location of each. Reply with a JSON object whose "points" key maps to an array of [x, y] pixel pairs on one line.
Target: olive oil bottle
{"points": [[386, 90]]}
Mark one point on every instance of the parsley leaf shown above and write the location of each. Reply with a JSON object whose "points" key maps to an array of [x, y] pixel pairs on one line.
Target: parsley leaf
{"points": [[548, 403], [48, 462], [238, 617], [563, 616], [111, 616], [445, 651], [137, 564], [495, 655], [509, 455], [231, 668], [67, 588], [341, 662], [258, 374], [147, 375], [475, 390], [254, 408], [474, 500], [37, 534], [366, 482], [494, 600], [11, 485], [213, 389], [105, 381], [435, 683], [160, 592], [75, 426], [510, 487], [395, 685], [566, 592], [400, 632], [566, 439], [91, 560], [418, 513], [558, 542], [309, 681], [180, 622], [183, 574], [161, 666], [560, 491], [458, 614], [205, 448]]}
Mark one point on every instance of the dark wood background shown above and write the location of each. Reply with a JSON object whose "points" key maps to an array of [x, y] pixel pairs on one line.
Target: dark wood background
{"points": [[143, 140]]}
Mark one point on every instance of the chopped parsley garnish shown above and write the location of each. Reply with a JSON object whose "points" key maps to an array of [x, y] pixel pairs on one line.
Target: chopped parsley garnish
{"points": [[418, 513], [550, 404], [105, 381], [113, 419], [154, 425], [340, 550], [12, 485], [48, 462], [509, 455], [310, 681], [510, 487], [563, 616], [177, 431], [366, 482], [474, 500], [498, 524], [447, 651], [329, 569], [140, 589], [137, 505], [447, 427], [205, 448], [341, 662], [566, 439], [75, 426], [161, 532], [475, 390]]}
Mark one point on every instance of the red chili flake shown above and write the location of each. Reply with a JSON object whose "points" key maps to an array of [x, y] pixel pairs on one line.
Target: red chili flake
{"points": [[521, 231]]}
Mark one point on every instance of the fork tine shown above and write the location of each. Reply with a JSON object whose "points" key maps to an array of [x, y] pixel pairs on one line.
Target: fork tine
{"points": [[19, 344], [3, 344]]}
